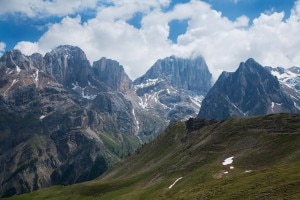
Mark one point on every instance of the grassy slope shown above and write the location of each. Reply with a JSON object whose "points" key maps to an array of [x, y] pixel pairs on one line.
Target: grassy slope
{"points": [[268, 145]]}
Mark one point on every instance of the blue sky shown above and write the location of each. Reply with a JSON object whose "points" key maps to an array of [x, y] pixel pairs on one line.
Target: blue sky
{"points": [[137, 32], [15, 28]]}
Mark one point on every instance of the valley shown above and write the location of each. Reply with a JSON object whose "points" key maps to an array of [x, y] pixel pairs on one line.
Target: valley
{"points": [[239, 158]]}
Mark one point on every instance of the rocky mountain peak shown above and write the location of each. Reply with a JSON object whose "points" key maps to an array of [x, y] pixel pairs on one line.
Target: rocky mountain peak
{"points": [[251, 72], [250, 66], [295, 69], [250, 90], [183, 73], [112, 74], [174, 87], [15, 59], [68, 65]]}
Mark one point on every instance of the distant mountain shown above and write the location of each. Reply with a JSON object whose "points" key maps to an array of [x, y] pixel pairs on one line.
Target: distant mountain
{"points": [[289, 77], [238, 158], [70, 67], [251, 90], [174, 87]]}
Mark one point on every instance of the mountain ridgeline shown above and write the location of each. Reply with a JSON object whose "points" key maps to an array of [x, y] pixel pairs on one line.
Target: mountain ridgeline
{"points": [[63, 121], [187, 74], [250, 90], [174, 88]]}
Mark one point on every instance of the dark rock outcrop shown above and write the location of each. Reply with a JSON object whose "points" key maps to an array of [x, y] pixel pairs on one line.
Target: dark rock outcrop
{"points": [[251, 90]]}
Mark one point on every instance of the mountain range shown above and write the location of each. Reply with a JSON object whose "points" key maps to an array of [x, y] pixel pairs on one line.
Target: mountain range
{"points": [[64, 121]]}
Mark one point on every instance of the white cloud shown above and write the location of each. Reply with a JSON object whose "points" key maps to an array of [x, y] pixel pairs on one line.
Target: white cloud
{"points": [[270, 39], [27, 47], [2, 46], [42, 8]]}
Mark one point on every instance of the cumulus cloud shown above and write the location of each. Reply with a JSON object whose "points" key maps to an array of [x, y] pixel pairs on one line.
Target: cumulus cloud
{"points": [[42, 8], [27, 47], [271, 39]]}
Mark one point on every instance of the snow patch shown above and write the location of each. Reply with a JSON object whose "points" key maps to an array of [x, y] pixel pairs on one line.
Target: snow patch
{"points": [[225, 172], [42, 117], [75, 86], [231, 167], [296, 106], [8, 71], [273, 105], [86, 96], [148, 83], [142, 103], [36, 76], [288, 77], [18, 69], [248, 171], [285, 75], [136, 122], [11, 85], [175, 182], [92, 86], [197, 100], [80, 90], [244, 113], [228, 161]]}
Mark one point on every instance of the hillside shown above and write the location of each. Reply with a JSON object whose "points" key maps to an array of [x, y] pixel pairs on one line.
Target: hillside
{"points": [[239, 158]]}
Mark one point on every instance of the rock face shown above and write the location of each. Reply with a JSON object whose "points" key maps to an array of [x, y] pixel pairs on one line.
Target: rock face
{"points": [[112, 74], [187, 74], [251, 90], [174, 87], [68, 65], [61, 122], [44, 131]]}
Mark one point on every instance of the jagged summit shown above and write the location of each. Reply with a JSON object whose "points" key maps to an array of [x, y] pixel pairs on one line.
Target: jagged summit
{"points": [[183, 73], [15, 58], [250, 90], [174, 87], [68, 65]]}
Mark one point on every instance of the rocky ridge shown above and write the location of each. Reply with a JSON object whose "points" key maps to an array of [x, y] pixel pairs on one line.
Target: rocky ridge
{"points": [[250, 90], [174, 88]]}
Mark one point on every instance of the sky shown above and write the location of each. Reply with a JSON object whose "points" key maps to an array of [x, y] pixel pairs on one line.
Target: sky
{"points": [[136, 33]]}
